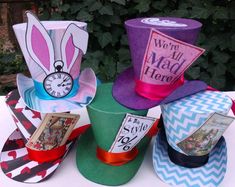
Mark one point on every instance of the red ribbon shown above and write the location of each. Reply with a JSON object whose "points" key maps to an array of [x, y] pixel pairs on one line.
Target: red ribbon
{"points": [[46, 155], [53, 154], [156, 92]]}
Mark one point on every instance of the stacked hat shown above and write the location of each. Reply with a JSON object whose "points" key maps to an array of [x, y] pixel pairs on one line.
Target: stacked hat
{"points": [[191, 151], [112, 150], [53, 52], [161, 51]]}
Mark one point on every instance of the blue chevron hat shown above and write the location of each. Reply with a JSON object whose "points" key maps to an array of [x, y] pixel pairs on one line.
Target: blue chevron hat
{"points": [[176, 160]]}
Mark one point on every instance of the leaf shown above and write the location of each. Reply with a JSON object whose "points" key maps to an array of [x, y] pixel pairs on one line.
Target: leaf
{"points": [[56, 16], [65, 7], [232, 43], [159, 5], [110, 66], [124, 40], [123, 54], [75, 7], [218, 82], [143, 6], [204, 76], [106, 10], [220, 57], [200, 12], [96, 6], [218, 70], [220, 13], [84, 16], [104, 39], [194, 72], [120, 2]]}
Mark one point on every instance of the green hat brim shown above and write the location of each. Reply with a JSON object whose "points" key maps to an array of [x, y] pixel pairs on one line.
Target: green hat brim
{"points": [[95, 170]]}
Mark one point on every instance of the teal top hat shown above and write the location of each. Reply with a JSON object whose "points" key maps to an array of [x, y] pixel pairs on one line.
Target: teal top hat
{"points": [[106, 117], [192, 151]]}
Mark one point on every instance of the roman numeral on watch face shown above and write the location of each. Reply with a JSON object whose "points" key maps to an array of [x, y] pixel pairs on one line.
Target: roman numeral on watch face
{"points": [[58, 84]]}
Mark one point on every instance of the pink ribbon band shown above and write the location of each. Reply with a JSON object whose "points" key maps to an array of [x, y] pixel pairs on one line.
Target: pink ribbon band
{"points": [[156, 92]]}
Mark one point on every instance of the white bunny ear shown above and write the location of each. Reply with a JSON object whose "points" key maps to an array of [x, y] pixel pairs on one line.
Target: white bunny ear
{"points": [[74, 39], [39, 44]]}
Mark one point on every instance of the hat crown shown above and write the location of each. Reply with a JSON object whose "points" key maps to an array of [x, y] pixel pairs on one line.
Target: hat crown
{"points": [[44, 43], [138, 31], [183, 117], [106, 116]]}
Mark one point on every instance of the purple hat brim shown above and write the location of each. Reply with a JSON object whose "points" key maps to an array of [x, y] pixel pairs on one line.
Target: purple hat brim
{"points": [[124, 92]]}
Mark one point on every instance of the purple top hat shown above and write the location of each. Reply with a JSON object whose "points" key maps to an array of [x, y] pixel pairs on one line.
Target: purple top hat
{"points": [[140, 33]]}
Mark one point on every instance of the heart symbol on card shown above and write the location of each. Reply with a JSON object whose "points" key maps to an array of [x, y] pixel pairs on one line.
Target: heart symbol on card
{"points": [[9, 175], [25, 170], [13, 154], [42, 173], [27, 124], [4, 165]]}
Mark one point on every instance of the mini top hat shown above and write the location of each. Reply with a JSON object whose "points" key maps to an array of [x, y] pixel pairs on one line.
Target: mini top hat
{"points": [[161, 51], [16, 162], [53, 52], [192, 152], [97, 156]]}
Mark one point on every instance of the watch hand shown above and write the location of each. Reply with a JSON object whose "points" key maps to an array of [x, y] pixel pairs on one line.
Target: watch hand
{"points": [[65, 84], [62, 82]]}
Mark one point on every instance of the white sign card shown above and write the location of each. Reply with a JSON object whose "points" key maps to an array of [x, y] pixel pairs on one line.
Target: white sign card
{"points": [[132, 130]]}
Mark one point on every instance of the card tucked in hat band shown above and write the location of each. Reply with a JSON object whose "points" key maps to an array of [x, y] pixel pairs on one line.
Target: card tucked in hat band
{"points": [[161, 51], [165, 60], [47, 147], [123, 149], [116, 142], [192, 145]]}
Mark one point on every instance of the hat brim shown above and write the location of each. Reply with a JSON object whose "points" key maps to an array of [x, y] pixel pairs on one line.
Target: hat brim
{"points": [[124, 92], [209, 175], [16, 164], [95, 170], [85, 94]]}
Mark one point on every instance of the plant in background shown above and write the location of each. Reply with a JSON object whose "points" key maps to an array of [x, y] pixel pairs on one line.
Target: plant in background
{"points": [[108, 52]]}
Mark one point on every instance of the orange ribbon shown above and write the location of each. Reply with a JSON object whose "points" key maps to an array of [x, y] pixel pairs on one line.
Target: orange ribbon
{"points": [[53, 154], [118, 159]]}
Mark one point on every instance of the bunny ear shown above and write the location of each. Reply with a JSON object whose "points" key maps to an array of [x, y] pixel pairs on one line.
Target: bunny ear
{"points": [[39, 43], [74, 39]]}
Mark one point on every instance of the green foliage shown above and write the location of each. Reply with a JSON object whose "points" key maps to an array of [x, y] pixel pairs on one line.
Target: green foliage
{"points": [[108, 52]]}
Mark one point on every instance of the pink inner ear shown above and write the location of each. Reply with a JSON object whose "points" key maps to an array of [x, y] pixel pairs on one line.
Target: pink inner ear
{"points": [[69, 51], [40, 48]]}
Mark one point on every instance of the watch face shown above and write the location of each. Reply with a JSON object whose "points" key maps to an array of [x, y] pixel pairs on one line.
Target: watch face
{"points": [[58, 84]]}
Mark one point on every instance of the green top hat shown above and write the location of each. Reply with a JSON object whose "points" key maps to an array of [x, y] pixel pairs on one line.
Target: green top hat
{"points": [[106, 117]]}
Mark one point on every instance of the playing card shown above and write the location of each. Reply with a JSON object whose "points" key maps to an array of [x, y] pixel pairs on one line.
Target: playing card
{"points": [[53, 132]]}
